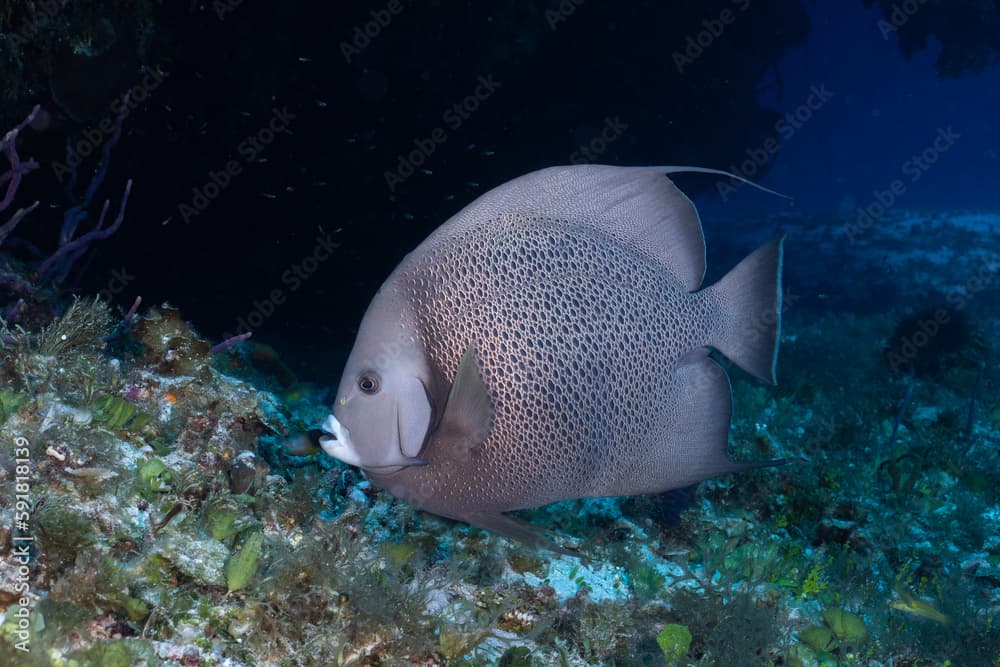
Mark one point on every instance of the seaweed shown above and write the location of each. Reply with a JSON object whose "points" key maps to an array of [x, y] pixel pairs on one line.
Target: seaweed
{"points": [[117, 413], [82, 328]]}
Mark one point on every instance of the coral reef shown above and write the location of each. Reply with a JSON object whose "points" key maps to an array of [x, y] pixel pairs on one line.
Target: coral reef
{"points": [[177, 522]]}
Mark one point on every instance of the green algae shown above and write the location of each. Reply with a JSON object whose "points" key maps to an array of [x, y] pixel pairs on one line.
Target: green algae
{"points": [[840, 633], [242, 565], [222, 521], [134, 609], [675, 642], [456, 642], [10, 401], [62, 616], [848, 628], [114, 411], [646, 582], [117, 413], [525, 561], [156, 477], [818, 637], [800, 656], [400, 553]]}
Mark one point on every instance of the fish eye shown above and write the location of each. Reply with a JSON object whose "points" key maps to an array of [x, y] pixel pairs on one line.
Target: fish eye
{"points": [[368, 383]]}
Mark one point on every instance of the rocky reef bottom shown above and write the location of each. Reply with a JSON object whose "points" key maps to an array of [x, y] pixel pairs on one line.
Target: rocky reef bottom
{"points": [[161, 504]]}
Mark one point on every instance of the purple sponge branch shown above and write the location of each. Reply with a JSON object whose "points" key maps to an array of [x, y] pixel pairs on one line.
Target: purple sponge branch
{"points": [[78, 213], [18, 216], [126, 323], [96, 234], [133, 311], [229, 342], [12, 282], [13, 176]]}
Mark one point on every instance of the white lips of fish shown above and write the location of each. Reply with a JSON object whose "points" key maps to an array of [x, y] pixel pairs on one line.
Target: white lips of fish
{"points": [[337, 442]]}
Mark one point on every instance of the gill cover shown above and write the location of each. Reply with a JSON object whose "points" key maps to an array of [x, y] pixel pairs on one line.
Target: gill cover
{"points": [[413, 418]]}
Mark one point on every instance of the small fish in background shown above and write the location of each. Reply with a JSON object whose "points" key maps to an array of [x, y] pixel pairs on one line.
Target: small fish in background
{"points": [[920, 608], [303, 444], [551, 341]]}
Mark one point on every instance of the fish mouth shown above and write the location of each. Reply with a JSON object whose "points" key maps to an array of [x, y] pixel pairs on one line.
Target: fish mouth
{"points": [[337, 442]]}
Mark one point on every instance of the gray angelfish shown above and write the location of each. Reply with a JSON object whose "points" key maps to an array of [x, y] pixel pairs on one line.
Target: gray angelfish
{"points": [[550, 341]]}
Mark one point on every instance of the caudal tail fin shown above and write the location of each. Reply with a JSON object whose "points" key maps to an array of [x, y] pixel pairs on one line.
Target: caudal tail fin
{"points": [[750, 296]]}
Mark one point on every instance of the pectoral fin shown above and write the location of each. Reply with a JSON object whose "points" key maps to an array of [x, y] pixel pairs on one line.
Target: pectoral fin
{"points": [[468, 414]]}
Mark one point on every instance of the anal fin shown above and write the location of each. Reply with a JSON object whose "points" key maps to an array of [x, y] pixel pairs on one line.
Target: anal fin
{"points": [[701, 426]]}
